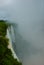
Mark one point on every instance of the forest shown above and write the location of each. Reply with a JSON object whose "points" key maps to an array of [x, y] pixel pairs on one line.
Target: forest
{"points": [[6, 57]]}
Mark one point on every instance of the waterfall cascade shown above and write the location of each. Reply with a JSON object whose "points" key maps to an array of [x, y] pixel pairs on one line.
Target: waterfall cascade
{"points": [[11, 36]]}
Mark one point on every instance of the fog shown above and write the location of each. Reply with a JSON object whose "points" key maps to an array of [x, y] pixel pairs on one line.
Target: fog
{"points": [[29, 16]]}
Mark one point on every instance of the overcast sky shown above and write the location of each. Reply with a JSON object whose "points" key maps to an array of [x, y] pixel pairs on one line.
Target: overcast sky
{"points": [[29, 15], [21, 8]]}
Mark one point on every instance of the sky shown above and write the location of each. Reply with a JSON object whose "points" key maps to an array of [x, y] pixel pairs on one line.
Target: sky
{"points": [[29, 15]]}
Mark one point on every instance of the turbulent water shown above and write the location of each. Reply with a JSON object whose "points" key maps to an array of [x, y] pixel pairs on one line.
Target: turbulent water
{"points": [[29, 34]]}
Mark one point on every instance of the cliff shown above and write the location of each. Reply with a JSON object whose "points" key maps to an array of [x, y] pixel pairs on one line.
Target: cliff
{"points": [[7, 54]]}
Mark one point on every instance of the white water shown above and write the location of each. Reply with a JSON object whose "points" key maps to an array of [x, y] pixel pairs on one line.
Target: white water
{"points": [[10, 44]]}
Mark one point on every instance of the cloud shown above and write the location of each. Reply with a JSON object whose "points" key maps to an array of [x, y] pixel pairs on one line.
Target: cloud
{"points": [[5, 2]]}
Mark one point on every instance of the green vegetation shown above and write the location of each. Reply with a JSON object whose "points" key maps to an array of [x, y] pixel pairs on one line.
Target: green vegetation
{"points": [[3, 28], [6, 57]]}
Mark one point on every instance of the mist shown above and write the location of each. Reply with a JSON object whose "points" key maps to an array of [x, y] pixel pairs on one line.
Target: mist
{"points": [[29, 16]]}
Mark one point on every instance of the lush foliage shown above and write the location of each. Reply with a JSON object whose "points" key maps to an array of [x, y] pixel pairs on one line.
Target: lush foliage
{"points": [[6, 57], [3, 28]]}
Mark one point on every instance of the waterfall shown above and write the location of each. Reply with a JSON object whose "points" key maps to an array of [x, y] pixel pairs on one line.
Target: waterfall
{"points": [[11, 37], [28, 41]]}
